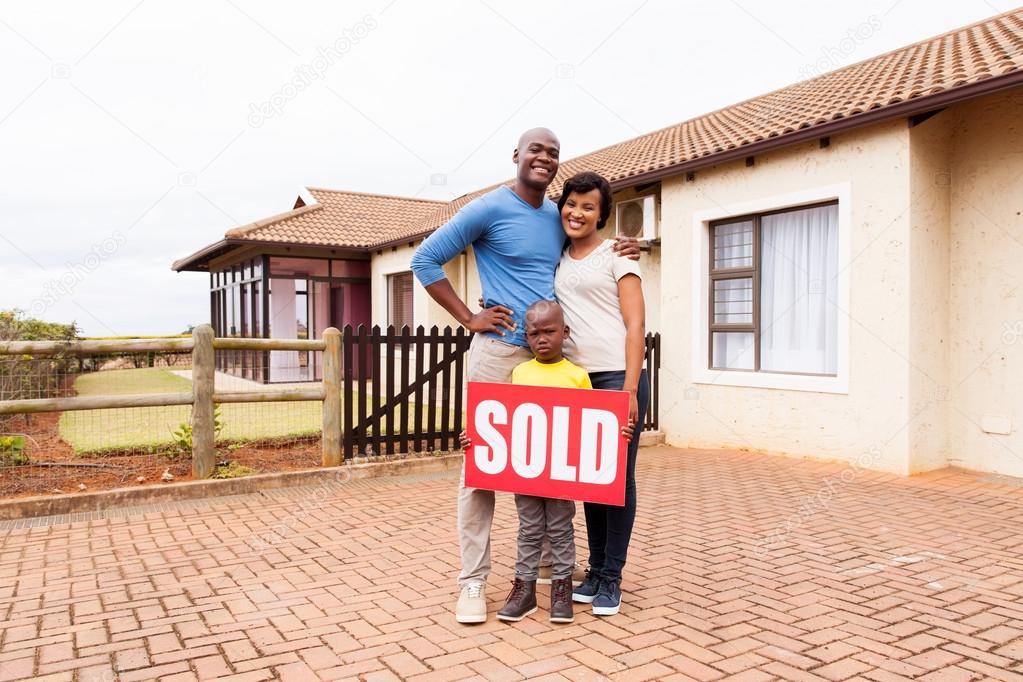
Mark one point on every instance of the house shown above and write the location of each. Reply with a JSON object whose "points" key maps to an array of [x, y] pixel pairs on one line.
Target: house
{"points": [[843, 260]]}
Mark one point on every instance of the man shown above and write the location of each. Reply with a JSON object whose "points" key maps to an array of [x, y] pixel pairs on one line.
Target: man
{"points": [[517, 238]]}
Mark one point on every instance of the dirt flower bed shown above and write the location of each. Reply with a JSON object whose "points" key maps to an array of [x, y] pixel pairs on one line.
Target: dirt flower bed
{"points": [[55, 466], [55, 469]]}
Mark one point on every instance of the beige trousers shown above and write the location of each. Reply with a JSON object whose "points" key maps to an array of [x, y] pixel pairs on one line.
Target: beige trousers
{"points": [[489, 360]]}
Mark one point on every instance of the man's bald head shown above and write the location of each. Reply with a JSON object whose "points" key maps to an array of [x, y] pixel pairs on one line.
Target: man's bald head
{"points": [[540, 134]]}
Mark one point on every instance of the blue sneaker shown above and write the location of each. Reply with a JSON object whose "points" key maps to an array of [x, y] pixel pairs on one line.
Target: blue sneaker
{"points": [[587, 590], [608, 599]]}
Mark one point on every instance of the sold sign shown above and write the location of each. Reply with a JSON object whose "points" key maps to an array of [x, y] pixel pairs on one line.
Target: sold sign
{"points": [[550, 442]]}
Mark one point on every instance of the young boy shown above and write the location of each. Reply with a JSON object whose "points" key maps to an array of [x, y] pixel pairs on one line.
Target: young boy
{"points": [[538, 516]]}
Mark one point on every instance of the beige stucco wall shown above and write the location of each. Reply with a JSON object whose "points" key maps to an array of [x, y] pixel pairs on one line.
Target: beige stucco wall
{"points": [[986, 298], [865, 425]]}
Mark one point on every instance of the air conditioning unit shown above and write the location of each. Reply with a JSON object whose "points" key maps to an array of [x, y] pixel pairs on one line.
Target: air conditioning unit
{"points": [[637, 218]]}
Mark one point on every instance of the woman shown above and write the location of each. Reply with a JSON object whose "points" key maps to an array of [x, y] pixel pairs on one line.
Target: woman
{"points": [[602, 296]]}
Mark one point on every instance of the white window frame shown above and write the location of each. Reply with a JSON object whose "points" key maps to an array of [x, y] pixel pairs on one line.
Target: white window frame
{"points": [[701, 373]]}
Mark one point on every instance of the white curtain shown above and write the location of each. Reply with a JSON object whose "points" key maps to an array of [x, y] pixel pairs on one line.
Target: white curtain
{"points": [[799, 278], [733, 350], [733, 245]]}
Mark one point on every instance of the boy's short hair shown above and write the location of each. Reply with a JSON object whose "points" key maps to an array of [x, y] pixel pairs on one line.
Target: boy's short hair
{"points": [[587, 181], [533, 310]]}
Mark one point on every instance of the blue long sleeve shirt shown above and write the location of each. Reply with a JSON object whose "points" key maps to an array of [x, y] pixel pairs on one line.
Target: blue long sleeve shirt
{"points": [[517, 249]]}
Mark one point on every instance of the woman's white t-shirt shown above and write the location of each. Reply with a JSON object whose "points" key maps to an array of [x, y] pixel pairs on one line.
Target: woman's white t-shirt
{"points": [[587, 290]]}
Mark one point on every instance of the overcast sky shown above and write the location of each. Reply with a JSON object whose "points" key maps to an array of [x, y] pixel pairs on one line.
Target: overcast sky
{"points": [[133, 133]]}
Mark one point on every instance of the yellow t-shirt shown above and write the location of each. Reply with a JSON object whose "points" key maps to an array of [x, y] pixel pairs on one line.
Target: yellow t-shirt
{"points": [[561, 374]]}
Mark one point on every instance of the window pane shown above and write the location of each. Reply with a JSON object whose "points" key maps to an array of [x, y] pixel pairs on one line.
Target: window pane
{"points": [[733, 301], [244, 310], [234, 325], [257, 310], [799, 279], [399, 306], [733, 245], [732, 350]]}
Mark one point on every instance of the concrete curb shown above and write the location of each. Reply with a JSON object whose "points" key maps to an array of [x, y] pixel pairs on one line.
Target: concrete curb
{"points": [[53, 505], [649, 439]]}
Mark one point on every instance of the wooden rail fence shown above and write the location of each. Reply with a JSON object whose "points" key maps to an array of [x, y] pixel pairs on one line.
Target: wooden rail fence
{"points": [[383, 392], [203, 396]]}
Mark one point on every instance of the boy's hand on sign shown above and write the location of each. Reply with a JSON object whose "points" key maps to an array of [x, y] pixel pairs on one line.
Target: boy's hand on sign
{"points": [[628, 430], [495, 319], [464, 439], [627, 247]]}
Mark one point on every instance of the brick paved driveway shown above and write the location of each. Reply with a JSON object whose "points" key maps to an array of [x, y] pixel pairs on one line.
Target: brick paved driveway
{"points": [[742, 567]]}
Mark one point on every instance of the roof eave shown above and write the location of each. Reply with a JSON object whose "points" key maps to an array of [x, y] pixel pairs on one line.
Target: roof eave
{"points": [[191, 263], [905, 108]]}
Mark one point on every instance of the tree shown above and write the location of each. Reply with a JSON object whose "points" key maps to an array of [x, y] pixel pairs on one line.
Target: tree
{"points": [[29, 376]]}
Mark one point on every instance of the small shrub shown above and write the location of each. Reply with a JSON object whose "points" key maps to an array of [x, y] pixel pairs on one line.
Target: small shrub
{"points": [[182, 436], [12, 451], [231, 470]]}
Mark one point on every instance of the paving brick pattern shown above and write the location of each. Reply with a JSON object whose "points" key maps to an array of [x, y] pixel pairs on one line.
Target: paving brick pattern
{"points": [[742, 567]]}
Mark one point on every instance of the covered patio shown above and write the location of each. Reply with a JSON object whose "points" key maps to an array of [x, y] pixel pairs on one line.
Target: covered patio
{"points": [[742, 567]]}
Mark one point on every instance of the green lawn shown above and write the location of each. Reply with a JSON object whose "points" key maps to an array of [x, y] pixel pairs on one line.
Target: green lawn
{"points": [[148, 427]]}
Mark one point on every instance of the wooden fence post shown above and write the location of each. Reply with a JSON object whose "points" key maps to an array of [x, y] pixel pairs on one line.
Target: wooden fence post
{"points": [[203, 452], [332, 397]]}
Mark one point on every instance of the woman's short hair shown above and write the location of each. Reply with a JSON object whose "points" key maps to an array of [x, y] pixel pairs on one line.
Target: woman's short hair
{"points": [[584, 182]]}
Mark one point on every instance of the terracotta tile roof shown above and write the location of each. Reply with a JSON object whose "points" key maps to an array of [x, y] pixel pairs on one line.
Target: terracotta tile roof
{"points": [[350, 219], [935, 72], [990, 49]]}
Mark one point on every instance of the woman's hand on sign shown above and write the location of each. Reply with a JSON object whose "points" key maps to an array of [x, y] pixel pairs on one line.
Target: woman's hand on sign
{"points": [[628, 429], [464, 439]]}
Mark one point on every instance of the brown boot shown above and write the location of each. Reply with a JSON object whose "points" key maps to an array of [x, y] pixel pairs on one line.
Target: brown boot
{"points": [[521, 601], [561, 601]]}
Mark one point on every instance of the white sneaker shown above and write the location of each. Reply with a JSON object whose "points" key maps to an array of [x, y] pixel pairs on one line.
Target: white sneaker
{"points": [[472, 604]]}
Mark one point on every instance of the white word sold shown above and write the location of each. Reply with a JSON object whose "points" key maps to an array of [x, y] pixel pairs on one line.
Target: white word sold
{"points": [[598, 446]]}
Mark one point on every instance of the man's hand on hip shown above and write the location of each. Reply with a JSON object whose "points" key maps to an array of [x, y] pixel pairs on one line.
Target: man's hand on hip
{"points": [[495, 319]]}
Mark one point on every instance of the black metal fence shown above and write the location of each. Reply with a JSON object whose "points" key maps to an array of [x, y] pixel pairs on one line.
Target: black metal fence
{"points": [[402, 390]]}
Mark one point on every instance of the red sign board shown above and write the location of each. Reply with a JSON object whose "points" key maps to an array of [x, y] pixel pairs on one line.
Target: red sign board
{"points": [[550, 442]]}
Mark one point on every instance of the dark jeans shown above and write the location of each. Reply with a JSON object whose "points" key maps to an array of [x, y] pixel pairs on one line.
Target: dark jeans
{"points": [[609, 528]]}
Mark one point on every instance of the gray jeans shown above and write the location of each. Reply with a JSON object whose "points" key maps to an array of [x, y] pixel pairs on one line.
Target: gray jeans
{"points": [[539, 518]]}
